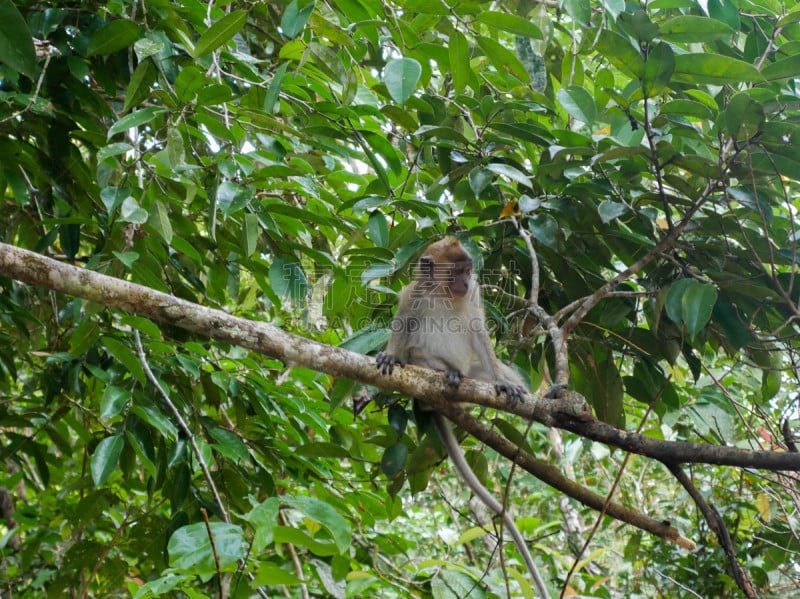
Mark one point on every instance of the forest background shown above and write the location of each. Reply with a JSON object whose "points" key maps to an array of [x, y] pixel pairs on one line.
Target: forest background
{"points": [[208, 209]]}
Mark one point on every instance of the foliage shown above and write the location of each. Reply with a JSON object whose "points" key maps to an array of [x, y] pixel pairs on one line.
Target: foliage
{"points": [[286, 161]]}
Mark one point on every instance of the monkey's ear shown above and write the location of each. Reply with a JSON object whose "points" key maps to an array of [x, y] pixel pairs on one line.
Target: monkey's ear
{"points": [[426, 267]]}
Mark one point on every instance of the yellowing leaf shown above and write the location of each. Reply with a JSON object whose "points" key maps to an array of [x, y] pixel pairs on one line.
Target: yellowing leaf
{"points": [[762, 505]]}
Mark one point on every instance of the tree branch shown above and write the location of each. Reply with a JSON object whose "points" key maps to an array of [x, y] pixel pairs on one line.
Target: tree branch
{"points": [[568, 411], [716, 524], [550, 475]]}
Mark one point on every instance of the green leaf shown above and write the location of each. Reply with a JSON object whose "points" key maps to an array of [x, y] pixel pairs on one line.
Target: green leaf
{"points": [[579, 10], [127, 258], [509, 172], [377, 270], [690, 303], [264, 518], [714, 69], [220, 32], [113, 402], [190, 548], [378, 228], [793, 16], [458, 51], [69, 235], [112, 150], [531, 132], [146, 47], [105, 458], [545, 230], [385, 149], [250, 234], [140, 84], [158, 219], [229, 445], [479, 178], [609, 210], [658, 69], [113, 36], [744, 116], [232, 197], [16, 42], [724, 11], [786, 68], [687, 108], [294, 18], [131, 212], [140, 442], [123, 354], [274, 89], [323, 450], [619, 51], [770, 384], [578, 103], [510, 23], [366, 340], [135, 119], [112, 197], [692, 28], [711, 415], [156, 419], [269, 574], [638, 24], [398, 419], [190, 80], [394, 459], [503, 59], [697, 304], [287, 279], [401, 76], [83, 337], [328, 60], [212, 95], [323, 514], [673, 303]]}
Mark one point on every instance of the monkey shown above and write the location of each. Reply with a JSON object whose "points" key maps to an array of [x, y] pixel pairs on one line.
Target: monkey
{"points": [[440, 324]]}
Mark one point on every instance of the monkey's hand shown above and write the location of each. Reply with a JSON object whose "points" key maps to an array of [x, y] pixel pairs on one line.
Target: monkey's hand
{"points": [[514, 393], [386, 362]]}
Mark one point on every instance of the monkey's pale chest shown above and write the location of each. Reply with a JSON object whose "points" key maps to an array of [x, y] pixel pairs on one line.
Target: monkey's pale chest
{"points": [[442, 340]]}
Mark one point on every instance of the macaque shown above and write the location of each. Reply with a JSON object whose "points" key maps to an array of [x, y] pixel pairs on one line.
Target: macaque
{"points": [[440, 324]]}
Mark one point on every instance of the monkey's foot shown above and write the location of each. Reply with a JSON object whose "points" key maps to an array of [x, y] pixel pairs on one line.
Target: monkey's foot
{"points": [[453, 378], [514, 393], [386, 363]]}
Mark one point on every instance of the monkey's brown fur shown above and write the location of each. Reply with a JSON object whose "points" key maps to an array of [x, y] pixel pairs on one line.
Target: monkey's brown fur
{"points": [[440, 324]]}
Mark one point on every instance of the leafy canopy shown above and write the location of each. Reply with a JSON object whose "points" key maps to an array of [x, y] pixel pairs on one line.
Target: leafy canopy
{"points": [[287, 161]]}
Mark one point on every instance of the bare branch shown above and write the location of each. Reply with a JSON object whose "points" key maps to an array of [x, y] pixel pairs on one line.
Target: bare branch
{"points": [[551, 475], [570, 411], [716, 524]]}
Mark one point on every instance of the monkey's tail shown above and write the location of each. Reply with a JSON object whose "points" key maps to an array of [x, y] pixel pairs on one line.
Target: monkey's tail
{"points": [[468, 476]]}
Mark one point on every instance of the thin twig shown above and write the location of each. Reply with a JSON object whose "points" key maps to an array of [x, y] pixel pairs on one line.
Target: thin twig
{"points": [[213, 550], [298, 567], [184, 428], [195, 449], [717, 525]]}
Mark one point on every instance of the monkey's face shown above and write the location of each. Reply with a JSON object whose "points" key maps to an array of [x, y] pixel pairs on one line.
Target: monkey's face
{"points": [[457, 276], [446, 269]]}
